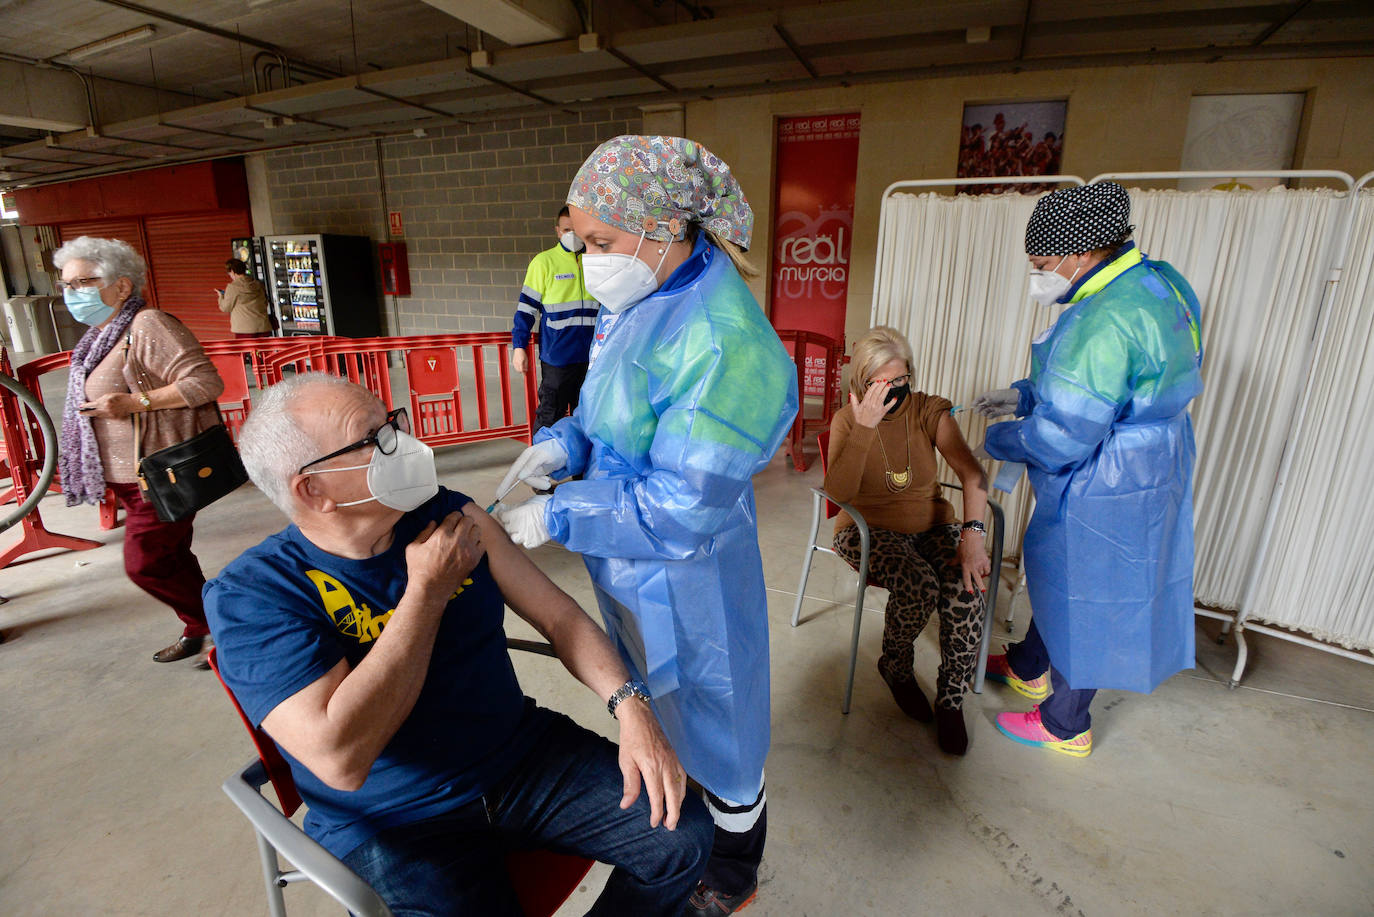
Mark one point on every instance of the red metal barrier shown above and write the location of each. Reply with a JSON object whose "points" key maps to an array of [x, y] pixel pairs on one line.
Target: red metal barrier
{"points": [[446, 376], [25, 470], [433, 369], [813, 416]]}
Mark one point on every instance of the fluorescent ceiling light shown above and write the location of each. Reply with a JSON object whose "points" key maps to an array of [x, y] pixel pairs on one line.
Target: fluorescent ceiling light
{"points": [[101, 45]]}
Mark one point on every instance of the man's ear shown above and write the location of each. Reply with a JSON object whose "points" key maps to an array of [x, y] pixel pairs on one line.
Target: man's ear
{"points": [[306, 490]]}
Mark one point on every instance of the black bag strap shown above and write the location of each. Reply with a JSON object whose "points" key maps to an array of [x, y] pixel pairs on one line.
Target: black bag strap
{"points": [[133, 417]]}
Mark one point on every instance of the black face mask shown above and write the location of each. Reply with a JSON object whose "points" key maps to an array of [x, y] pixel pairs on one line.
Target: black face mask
{"points": [[895, 396]]}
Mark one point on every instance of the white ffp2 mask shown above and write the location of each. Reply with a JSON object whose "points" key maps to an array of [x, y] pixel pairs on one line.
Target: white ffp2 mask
{"points": [[402, 480], [618, 281], [1046, 287]]}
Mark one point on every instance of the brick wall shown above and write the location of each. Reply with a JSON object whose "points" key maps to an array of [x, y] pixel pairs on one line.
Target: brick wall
{"points": [[477, 202]]}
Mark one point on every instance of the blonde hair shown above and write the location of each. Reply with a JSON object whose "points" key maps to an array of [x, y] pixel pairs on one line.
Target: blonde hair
{"points": [[742, 264], [879, 346]]}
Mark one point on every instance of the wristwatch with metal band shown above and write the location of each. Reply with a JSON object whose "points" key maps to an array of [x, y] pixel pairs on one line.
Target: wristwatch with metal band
{"points": [[631, 688], [144, 400]]}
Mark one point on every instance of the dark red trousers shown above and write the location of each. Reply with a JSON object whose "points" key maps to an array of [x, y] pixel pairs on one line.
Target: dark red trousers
{"points": [[158, 559]]}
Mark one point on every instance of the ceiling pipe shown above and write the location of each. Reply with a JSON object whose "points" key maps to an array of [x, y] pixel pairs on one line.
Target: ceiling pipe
{"points": [[227, 35], [91, 110]]}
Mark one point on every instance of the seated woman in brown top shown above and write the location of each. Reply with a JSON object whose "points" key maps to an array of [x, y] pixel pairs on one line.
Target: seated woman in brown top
{"points": [[882, 462]]}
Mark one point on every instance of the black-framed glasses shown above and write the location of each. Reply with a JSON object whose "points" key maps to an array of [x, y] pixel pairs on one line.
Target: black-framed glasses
{"points": [[384, 438], [79, 283], [904, 379]]}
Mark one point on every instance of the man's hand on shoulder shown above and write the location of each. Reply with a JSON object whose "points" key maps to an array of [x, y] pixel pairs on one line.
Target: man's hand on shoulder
{"points": [[443, 554], [646, 756]]}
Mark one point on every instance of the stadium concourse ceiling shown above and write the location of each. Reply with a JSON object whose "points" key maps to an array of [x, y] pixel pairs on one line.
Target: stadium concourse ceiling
{"points": [[100, 86]]}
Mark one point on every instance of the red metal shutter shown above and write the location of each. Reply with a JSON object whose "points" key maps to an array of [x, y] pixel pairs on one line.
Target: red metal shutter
{"points": [[128, 230], [187, 255]]}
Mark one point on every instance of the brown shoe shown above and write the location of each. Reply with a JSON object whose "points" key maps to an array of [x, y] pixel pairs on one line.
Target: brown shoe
{"points": [[185, 646], [203, 658]]}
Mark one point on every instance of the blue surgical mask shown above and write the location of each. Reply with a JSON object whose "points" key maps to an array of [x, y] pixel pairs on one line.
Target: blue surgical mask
{"points": [[86, 306]]}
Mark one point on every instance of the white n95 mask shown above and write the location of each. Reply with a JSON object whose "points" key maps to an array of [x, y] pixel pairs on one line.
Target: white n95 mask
{"points": [[571, 241], [618, 281], [403, 479], [1046, 287]]}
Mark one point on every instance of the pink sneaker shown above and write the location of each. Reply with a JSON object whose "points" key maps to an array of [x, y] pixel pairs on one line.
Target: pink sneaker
{"points": [[1037, 689], [1027, 729]]}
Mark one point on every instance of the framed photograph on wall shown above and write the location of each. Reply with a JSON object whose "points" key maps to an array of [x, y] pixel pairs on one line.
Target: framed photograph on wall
{"points": [[1011, 138], [1241, 132]]}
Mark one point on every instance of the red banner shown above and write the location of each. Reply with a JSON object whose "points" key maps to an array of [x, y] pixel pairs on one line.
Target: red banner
{"points": [[818, 159]]}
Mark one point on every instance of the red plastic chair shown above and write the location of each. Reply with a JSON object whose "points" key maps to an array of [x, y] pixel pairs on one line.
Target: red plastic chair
{"points": [[832, 507], [436, 407], [233, 401], [543, 880]]}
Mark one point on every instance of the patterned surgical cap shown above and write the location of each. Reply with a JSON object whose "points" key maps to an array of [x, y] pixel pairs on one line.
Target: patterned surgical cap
{"points": [[658, 185]]}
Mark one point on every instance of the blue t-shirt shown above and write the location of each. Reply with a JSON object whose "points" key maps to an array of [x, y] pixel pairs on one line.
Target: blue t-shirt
{"points": [[285, 612]]}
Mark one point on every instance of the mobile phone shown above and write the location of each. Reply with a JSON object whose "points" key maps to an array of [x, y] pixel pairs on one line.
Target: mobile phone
{"points": [[85, 410]]}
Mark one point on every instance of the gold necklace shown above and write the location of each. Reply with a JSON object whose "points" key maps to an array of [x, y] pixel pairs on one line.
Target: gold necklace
{"points": [[898, 481]]}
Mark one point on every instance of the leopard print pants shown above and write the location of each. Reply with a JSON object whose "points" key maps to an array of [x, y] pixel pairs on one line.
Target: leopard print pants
{"points": [[921, 574]]}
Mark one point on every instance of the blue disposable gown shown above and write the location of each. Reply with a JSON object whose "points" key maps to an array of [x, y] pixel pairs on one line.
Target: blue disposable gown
{"points": [[1109, 445], [689, 394]]}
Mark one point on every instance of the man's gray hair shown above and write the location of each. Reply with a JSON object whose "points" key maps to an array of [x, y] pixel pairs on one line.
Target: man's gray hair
{"points": [[272, 442], [112, 258]]}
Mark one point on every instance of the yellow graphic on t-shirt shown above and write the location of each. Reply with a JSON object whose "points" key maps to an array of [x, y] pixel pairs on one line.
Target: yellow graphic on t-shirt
{"points": [[351, 618]]}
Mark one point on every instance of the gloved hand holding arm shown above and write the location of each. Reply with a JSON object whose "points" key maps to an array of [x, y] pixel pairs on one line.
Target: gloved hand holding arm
{"points": [[524, 522]]}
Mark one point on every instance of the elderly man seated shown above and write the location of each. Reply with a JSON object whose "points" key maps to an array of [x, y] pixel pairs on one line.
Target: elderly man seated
{"points": [[366, 638]]}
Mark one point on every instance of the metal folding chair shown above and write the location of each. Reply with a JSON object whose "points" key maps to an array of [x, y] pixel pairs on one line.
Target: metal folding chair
{"points": [[542, 879], [826, 506]]}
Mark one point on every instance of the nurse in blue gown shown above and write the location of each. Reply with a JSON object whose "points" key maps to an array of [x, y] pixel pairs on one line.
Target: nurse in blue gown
{"points": [[1103, 427], [689, 393]]}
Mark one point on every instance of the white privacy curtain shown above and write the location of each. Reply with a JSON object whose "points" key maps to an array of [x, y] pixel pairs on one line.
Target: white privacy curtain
{"points": [[952, 276], [1257, 261], [1319, 578]]}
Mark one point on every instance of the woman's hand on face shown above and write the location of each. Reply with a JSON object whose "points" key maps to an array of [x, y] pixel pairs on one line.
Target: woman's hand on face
{"points": [[871, 409], [111, 406], [973, 557]]}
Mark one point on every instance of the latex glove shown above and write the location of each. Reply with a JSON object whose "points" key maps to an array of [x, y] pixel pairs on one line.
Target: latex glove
{"points": [[997, 403], [524, 522], [533, 467], [980, 452]]}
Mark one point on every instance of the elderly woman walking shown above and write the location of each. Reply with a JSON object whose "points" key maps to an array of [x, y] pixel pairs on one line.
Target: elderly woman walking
{"points": [[139, 380]]}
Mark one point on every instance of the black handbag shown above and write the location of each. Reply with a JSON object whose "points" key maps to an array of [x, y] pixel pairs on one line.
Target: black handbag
{"points": [[190, 475]]}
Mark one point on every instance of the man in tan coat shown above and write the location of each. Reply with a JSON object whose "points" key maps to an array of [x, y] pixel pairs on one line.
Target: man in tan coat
{"points": [[246, 302]]}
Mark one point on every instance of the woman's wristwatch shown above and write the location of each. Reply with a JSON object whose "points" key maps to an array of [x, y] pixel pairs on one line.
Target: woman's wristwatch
{"points": [[631, 688], [974, 525]]}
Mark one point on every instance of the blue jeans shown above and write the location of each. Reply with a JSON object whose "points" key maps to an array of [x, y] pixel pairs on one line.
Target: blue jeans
{"points": [[1065, 712], [564, 796]]}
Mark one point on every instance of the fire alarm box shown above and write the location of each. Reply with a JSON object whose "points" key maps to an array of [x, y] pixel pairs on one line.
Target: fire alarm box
{"points": [[395, 268]]}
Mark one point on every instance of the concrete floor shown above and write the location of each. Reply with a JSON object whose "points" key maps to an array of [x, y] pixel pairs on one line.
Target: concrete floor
{"points": [[1197, 800]]}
